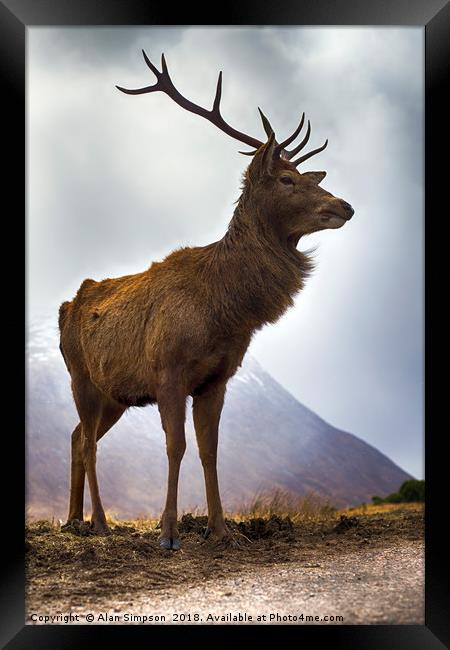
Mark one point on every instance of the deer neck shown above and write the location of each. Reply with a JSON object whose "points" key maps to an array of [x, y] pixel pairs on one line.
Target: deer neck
{"points": [[256, 272]]}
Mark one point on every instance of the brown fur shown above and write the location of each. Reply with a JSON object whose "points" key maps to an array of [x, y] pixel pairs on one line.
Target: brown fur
{"points": [[182, 327]]}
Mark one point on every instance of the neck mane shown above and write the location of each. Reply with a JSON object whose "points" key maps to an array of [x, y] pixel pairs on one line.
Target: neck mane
{"points": [[253, 273]]}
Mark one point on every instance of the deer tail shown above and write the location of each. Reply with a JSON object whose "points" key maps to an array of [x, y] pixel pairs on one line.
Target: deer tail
{"points": [[63, 312], [63, 315]]}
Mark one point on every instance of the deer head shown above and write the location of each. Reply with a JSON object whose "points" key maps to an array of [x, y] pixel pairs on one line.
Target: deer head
{"points": [[293, 203], [290, 203]]}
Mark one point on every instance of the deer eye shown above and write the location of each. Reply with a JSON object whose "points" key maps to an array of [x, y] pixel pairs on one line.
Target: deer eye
{"points": [[286, 180]]}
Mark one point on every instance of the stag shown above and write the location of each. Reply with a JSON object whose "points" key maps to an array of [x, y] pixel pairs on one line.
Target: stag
{"points": [[182, 327]]}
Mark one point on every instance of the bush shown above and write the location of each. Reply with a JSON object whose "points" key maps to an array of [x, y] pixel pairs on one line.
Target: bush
{"points": [[413, 491], [395, 497], [410, 491]]}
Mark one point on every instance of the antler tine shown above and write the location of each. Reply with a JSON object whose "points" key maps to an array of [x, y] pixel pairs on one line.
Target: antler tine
{"points": [[218, 97], [292, 137], [266, 124], [165, 84], [248, 153], [165, 71], [267, 128], [293, 152], [138, 91], [299, 147], [156, 72], [308, 155], [152, 67]]}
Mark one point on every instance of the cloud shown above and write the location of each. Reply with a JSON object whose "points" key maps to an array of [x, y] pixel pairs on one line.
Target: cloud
{"points": [[117, 181]]}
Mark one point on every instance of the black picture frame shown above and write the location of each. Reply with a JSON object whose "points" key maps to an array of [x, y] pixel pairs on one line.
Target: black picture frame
{"points": [[434, 16]]}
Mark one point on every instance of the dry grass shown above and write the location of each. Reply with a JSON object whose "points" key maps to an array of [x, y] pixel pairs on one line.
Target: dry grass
{"points": [[309, 508], [282, 503], [369, 509]]}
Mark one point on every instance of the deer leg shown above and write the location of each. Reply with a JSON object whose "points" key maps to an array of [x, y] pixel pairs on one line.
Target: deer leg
{"points": [[76, 478], [89, 451], [207, 408], [172, 405], [95, 410], [110, 415]]}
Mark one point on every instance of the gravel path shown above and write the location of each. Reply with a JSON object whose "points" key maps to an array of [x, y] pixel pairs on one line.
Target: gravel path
{"points": [[383, 585]]}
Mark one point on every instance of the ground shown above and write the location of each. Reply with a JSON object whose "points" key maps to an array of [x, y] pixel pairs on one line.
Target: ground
{"points": [[359, 566]]}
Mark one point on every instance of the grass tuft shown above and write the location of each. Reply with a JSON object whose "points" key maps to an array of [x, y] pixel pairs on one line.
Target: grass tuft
{"points": [[311, 507]]}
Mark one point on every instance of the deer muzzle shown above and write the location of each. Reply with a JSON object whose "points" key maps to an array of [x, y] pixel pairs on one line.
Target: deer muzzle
{"points": [[338, 208]]}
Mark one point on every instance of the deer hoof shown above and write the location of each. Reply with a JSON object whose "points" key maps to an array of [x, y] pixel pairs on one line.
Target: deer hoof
{"points": [[229, 541], [71, 523], [99, 529], [170, 543], [223, 539]]}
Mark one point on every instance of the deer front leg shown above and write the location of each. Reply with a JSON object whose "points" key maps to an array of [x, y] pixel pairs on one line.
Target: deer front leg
{"points": [[206, 411], [171, 404]]}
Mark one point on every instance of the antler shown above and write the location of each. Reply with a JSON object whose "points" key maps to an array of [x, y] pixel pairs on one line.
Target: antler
{"points": [[164, 83], [280, 150]]}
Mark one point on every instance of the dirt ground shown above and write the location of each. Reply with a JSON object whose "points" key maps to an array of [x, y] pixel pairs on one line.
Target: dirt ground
{"points": [[345, 568]]}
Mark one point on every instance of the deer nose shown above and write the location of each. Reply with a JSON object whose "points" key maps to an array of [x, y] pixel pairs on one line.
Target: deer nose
{"points": [[349, 211]]}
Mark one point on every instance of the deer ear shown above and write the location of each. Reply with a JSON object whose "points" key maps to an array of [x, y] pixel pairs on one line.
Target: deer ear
{"points": [[262, 163], [316, 177]]}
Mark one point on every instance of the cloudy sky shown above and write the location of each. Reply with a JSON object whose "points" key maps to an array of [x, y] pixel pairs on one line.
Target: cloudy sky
{"points": [[115, 182]]}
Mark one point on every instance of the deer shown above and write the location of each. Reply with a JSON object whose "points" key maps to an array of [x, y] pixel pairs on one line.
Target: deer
{"points": [[181, 328]]}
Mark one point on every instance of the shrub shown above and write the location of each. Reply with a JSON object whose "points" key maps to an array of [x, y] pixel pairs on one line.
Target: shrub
{"points": [[410, 491]]}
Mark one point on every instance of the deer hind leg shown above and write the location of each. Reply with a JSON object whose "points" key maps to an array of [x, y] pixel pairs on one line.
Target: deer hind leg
{"points": [[76, 478], [97, 414], [207, 408], [111, 413], [172, 407]]}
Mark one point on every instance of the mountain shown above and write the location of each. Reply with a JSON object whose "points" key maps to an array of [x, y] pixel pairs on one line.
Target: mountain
{"points": [[268, 440]]}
